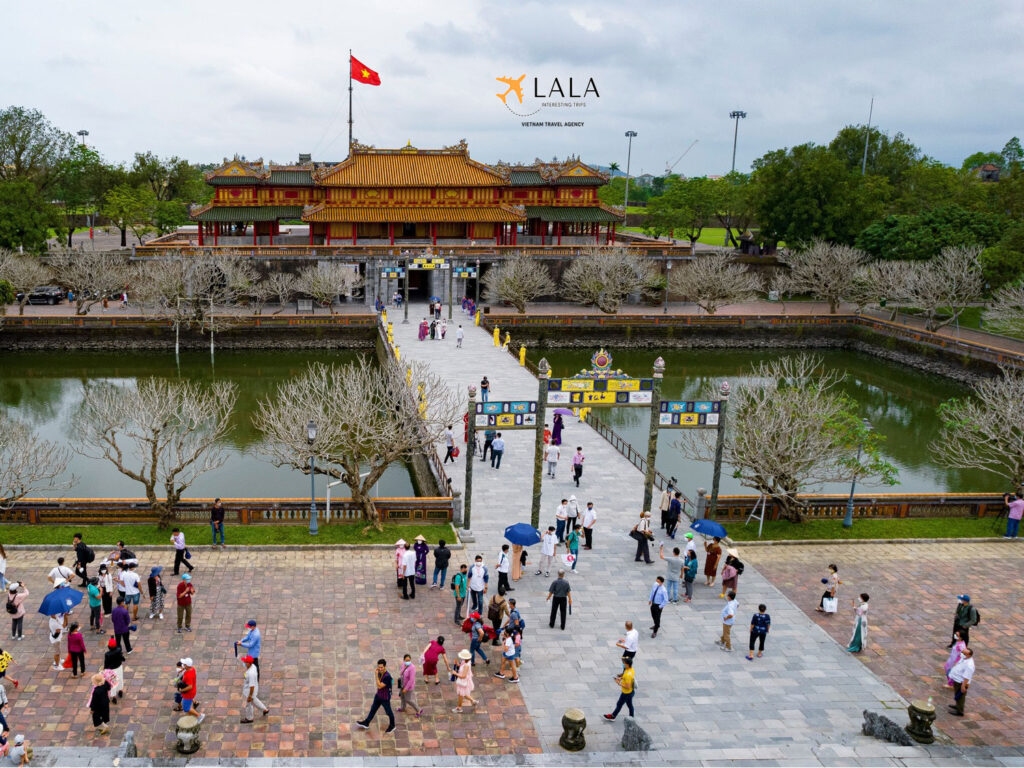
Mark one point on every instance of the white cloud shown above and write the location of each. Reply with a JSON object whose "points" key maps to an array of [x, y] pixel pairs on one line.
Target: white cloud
{"points": [[204, 80]]}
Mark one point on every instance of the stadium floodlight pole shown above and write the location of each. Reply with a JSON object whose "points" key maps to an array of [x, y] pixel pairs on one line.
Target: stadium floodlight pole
{"points": [[867, 138], [629, 153], [736, 114]]}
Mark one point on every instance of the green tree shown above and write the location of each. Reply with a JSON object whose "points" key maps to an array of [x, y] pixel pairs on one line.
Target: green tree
{"points": [[6, 295], [78, 185], [170, 179], [807, 193], [129, 207], [688, 206], [168, 215], [1012, 154], [735, 211], [31, 147], [890, 157], [925, 235], [980, 158], [930, 184], [1003, 263], [25, 216]]}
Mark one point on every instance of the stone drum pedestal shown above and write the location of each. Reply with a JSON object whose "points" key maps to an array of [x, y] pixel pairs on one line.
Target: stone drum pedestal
{"points": [[574, 723], [922, 715], [187, 731]]}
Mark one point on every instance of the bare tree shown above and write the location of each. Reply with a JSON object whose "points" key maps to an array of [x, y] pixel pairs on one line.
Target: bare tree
{"points": [[1006, 312], [326, 282], [517, 281], [985, 431], [950, 282], [162, 434], [825, 271], [90, 275], [888, 283], [367, 419], [23, 273], [789, 431], [605, 277], [283, 287], [27, 463], [711, 281]]}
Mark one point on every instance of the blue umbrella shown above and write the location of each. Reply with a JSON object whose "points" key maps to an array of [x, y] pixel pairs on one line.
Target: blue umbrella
{"points": [[522, 534], [60, 600], [708, 527]]}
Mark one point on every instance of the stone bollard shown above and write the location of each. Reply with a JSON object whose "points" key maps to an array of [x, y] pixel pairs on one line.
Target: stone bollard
{"points": [[922, 715], [635, 738], [187, 731], [574, 723]]}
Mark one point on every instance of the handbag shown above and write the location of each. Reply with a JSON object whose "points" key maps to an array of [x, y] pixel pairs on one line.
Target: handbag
{"points": [[830, 604], [188, 555], [635, 534]]}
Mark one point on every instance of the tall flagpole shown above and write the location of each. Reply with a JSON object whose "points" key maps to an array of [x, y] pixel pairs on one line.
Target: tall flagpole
{"points": [[349, 102]]}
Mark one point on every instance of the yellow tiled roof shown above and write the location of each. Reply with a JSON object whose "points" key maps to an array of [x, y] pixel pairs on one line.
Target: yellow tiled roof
{"points": [[410, 167], [409, 215]]}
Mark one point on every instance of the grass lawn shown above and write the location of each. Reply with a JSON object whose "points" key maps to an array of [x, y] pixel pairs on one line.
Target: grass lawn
{"points": [[904, 528], [100, 536]]}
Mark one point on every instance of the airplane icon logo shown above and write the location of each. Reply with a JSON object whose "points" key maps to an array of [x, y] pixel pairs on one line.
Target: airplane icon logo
{"points": [[515, 85]]}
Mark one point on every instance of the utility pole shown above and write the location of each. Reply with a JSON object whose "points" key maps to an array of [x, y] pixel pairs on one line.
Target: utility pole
{"points": [[652, 434], [736, 114], [867, 138], [719, 448], [629, 153]]}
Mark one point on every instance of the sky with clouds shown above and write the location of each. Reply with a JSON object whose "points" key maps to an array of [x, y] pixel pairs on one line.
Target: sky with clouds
{"points": [[204, 80]]}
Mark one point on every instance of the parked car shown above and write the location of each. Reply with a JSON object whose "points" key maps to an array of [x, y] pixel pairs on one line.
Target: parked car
{"points": [[43, 294]]}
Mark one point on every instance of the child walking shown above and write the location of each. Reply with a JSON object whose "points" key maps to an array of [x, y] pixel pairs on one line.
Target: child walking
{"points": [[99, 703], [157, 590], [76, 648], [759, 626]]}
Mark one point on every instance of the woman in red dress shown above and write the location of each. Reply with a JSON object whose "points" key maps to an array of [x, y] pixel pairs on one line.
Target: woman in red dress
{"points": [[430, 656]]}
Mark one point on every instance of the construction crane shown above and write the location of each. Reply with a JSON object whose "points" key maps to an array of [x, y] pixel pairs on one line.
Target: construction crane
{"points": [[670, 167]]}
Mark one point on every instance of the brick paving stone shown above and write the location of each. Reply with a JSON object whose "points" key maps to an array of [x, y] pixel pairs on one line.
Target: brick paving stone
{"points": [[332, 615], [913, 590]]}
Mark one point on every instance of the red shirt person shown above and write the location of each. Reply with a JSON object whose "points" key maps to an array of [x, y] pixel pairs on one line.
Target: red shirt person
{"points": [[184, 593], [189, 689]]}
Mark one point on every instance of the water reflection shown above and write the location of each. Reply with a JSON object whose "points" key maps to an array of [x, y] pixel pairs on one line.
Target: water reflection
{"points": [[45, 389], [899, 402]]}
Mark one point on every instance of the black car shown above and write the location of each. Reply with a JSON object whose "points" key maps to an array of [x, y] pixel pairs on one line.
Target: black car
{"points": [[43, 294]]}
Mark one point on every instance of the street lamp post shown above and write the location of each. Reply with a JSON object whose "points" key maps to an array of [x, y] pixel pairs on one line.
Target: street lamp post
{"points": [[629, 153], [735, 115], [311, 438], [848, 520], [83, 133], [88, 217]]}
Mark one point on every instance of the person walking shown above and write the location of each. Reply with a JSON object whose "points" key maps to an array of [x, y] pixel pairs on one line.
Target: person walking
{"points": [[760, 623], [664, 503], [444, 328], [130, 580], [460, 586], [459, 336], [464, 680], [381, 697], [16, 594], [1016, 511], [250, 690], [442, 556], [106, 584], [643, 535], [731, 572], [76, 650], [433, 653], [83, 556], [557, 425], [503, 567], [157, 590], [560, 597], [508, 656], [962, 673], [859, 639], [60, 571], [577, 465], [629, 643], [477, 636], [714, 552], [184, 593], [252, 641], [409, 574], [400, 548], [689, 573], [675, 512], [548, 543], [99, 704], [954, 657], [589, 521], [433, 329], [572, 513], [551, 455], [675, 569], [497, 451], [190, 689], [728, 619], [561, 517], [626, 680], [497, 610], [122, 622], [485, 389], [95, 605], [181, 553], [113, 667], [572, 545], [449, 442], [657, 600], [965, 618], [489, 435], [407, 687], [478, 578], [831, 583], [217, 521]]}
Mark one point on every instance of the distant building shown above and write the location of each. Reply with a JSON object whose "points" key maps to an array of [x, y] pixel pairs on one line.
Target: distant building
{"points": [[986, 172], [644, 180]]}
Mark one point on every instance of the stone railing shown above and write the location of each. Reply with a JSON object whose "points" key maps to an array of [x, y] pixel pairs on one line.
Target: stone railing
{"points": [[878, 505], [392, 253]]}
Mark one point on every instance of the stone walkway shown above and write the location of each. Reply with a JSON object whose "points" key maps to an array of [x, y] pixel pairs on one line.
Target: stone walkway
{"points": [[800, 704], [913, 590]]}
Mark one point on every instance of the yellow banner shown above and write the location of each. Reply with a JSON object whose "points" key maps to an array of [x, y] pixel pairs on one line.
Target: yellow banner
{"points": [[582, 385], [505, 420], [599, 398], [624, 385], [689, 419]]}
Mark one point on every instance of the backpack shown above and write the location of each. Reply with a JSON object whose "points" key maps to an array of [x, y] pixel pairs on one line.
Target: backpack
{"points": [[11, 607], [493, 611], [89, 555], [977, 616], [738, 566]]}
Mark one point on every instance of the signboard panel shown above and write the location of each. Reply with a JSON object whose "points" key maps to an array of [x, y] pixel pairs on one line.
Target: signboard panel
{"points": [[617, 392], [464, 272], [507, 414], [689, 413], [392, 273], [422, 263]]}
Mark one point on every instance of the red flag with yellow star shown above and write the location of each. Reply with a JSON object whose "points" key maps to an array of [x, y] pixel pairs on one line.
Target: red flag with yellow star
{"points": [[363, 73]]}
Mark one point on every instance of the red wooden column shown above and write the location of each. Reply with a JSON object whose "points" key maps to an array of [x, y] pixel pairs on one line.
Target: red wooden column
{"points": [[270, 231], [559, 233], [597, 233], [514, 228], [543, 231], [216, 232], [327, 240], [613, 233], [355, 229], [310, 233], [433, 233], [201, 225], [391, 233], [469, 232], [255, 240]]}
